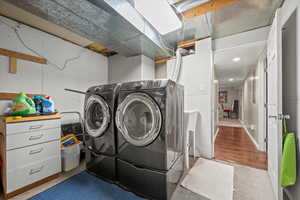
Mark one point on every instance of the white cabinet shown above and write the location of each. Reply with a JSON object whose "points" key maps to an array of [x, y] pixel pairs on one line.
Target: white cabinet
{"points": [[14, 141], [31, 173], [30, 151], [31, 126]]}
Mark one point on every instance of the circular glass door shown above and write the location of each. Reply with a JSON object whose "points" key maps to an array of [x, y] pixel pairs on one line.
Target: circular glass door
{"points": [[139, 119], [97, 116]]}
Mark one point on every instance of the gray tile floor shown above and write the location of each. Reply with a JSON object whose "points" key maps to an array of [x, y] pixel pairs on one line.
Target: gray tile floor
{"points": [[249, 184], [182, 193]]}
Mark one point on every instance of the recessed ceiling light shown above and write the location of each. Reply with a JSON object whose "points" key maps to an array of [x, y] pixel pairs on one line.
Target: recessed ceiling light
{"points": [[159, 14], [236, 59], [231, 79], [216, 81]]}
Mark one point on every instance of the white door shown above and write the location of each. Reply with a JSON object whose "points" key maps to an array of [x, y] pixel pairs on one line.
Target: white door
{"points": [[274, 104]]}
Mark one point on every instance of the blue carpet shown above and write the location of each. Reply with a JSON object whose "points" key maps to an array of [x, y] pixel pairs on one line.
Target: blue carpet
{"points": [[84, 186]]}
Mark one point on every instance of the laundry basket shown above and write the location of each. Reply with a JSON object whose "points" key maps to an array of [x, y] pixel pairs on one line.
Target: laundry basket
{"points": [[70, 157]]}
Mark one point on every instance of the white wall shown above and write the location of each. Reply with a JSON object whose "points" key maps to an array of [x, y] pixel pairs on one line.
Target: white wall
{"points": [[124, 69], [216, 104], [290, 19], [197, 78], [90, 69], [148, 68], [161, 71], [250, 120], [240, 39], [241, 107], [253, 112]]}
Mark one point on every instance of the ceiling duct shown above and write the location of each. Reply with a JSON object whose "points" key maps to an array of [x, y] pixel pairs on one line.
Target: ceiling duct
{"points": [[113, 23], [189, 4]]}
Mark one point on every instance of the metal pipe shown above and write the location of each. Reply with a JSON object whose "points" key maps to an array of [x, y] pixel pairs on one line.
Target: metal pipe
{"points": [[81, 120], [75, 91], [189, 4], [178, 64]]}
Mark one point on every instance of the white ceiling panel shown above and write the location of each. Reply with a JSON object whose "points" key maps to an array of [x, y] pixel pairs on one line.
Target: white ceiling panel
{"points": [[227, 69]]}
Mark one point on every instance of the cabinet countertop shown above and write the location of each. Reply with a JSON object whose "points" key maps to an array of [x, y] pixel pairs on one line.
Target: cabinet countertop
{"points": [[33, 118]]}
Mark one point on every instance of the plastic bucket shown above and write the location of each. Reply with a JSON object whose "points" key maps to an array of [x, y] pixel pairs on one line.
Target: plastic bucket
{"points": [[70, 157]]}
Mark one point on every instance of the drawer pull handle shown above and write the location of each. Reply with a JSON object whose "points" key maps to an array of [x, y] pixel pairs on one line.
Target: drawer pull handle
{"points": [[36, 137], [35, 127], [36, 151], [34, 171]]}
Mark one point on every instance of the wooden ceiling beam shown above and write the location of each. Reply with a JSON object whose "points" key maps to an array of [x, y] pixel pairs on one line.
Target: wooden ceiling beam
{"points": [[206, 7], [186, 44], [100, 49], [22, 56], [163, 60]]}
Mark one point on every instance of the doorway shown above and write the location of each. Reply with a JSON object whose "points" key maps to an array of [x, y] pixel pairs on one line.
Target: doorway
{"points": [[240, 76]]}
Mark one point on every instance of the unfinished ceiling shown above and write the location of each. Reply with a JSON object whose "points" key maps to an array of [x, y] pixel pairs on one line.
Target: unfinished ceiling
{"points": [[238, 17], [242, 16], [227, 69], [108, 22], [118, 26]]}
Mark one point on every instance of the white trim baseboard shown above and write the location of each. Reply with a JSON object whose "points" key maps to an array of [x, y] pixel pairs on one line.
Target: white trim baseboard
{"points": [[216, 134], [251, 137]]}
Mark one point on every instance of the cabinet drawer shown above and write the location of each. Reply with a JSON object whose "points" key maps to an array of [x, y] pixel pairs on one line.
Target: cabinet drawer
{"points": [[22, 176], [30, 138], [27, 155], [22, 127]]}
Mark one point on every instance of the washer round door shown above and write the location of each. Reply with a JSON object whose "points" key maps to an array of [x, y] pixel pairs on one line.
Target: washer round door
{"points": [[97, 116], [139, 119]]}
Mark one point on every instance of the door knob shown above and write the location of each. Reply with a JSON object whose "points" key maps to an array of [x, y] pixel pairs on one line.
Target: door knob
{"points": [[279, 117], [272, 116], [286, 116]]}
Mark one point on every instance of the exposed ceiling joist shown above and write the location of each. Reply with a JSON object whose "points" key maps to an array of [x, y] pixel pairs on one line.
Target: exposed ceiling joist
{"points": [[20, 15], [100, 49], [163, 60], [22, 56], [186, 44], [206, 7]]}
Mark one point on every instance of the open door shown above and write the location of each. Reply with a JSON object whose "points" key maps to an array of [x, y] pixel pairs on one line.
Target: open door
{"points": [[274, 104]]}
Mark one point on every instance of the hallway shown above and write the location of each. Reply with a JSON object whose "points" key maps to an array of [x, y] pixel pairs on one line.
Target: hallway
{"points": [[233, 145], [230, 123]]}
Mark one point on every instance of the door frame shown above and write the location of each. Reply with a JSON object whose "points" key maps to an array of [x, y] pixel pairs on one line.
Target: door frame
{"points": [[274, 105], [265, 128]]}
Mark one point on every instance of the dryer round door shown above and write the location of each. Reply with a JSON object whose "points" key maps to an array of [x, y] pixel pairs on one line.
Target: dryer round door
{"points": [[139, 119], [97, 116]]}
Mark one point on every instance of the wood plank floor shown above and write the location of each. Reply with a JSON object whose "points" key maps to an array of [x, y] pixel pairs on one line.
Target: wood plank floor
{"points": [[234, 145]]}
